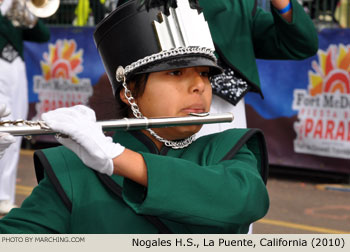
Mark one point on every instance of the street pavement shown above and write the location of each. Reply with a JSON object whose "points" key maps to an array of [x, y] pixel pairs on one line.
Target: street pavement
{"points": [[298, 204]]}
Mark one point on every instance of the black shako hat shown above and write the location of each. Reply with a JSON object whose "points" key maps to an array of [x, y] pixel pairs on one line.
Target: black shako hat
{"points": [[132, 40]]}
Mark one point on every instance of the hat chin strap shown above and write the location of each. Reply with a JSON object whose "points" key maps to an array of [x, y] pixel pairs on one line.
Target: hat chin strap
{"points": [[136, 112]]}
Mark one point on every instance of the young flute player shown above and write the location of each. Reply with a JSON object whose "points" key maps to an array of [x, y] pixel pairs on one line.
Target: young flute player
{"points": [[148, 181]]}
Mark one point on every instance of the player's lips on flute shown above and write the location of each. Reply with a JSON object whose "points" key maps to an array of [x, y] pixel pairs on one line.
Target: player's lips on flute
{"points": [[195, 108]]}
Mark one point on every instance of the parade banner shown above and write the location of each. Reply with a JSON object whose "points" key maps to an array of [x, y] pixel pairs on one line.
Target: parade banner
{"points": [[62, 72], [306, 110]]}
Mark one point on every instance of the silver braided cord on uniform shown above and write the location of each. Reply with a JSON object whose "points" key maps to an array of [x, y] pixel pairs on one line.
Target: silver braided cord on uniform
{"points": [[136, 111]]}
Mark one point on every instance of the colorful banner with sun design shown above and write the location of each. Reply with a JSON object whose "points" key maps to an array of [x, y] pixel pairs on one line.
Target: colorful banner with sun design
{"points": [[59, 85], [62, 61], [323, 126]]}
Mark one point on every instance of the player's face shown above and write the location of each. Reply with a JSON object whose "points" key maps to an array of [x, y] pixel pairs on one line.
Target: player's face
{"points": [[175, 93]]}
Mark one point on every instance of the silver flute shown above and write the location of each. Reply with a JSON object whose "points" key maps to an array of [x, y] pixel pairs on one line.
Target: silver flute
{"points": [[30, 128]]}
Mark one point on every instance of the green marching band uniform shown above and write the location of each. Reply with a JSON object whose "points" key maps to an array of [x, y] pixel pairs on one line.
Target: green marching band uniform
{"points": [[257, 34], [215, 185], [72, 198], [15, 36]]}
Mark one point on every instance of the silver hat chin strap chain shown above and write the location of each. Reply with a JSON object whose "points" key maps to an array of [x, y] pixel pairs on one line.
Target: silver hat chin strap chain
{"points": [[136, 111]]}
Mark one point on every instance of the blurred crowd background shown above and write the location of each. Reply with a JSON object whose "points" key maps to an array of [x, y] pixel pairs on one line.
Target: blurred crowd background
{"points": [[325, 13]]}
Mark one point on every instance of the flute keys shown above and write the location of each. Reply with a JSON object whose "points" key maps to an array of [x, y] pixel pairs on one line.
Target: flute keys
{"points": [[19, 122], [6, 123], [43, 125]]}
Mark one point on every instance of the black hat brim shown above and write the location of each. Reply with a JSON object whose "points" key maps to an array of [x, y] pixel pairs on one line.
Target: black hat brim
{"points": [[178, 62]]}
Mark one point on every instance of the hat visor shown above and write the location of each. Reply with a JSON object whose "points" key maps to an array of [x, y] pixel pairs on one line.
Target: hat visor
{"points": [[180, 61]]}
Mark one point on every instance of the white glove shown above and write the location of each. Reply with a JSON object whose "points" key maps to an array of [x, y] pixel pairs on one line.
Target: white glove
{"points": [[86, 137], [5, 139], [5, 6]]}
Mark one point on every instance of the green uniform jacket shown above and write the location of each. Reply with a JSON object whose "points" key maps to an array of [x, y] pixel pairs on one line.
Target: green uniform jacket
{"points": [[16, 35], [216, 185], [243, 32]]}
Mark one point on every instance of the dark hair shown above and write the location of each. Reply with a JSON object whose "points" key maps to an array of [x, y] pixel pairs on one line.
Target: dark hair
{"points": [[109, 106], [136, 85]]}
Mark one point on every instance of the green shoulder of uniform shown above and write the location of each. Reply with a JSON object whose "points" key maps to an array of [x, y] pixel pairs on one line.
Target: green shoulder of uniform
{"points": [[61, 166], [226, 144]]}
